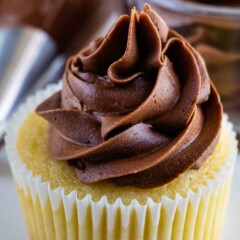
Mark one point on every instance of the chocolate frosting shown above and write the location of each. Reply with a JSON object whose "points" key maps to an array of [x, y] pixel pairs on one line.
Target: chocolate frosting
{"points": [[136, 106]]}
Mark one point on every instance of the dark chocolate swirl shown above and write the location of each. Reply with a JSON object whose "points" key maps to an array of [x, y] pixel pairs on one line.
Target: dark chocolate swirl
{"points": [[136, 106]]}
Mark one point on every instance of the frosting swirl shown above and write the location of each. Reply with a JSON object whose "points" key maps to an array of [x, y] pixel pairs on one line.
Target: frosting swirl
{"points": [[136, 106]]}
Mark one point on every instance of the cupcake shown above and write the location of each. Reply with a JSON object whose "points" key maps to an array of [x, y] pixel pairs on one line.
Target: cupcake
{"points": [[131, 144]]}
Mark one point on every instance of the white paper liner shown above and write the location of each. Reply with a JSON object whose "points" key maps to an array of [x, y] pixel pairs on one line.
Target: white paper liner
{"points": [[179, 218]]}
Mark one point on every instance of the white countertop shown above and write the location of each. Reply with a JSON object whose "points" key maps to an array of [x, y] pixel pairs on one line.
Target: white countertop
{"points": [[11, 220]]}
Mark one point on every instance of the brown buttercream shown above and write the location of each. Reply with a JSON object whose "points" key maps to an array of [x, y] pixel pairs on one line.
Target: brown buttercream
{"points": [[136, 106]]}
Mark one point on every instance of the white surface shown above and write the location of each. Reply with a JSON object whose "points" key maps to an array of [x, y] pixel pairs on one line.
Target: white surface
{"points": [[11, 221]]}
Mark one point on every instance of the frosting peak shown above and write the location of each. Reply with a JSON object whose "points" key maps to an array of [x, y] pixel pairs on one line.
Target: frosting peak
{"points": [[137, 106]]}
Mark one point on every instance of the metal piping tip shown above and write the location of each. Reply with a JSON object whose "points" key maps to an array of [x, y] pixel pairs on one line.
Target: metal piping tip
{"points": [[26, 54]]}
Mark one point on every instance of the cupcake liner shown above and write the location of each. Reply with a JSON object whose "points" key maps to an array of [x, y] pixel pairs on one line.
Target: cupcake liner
{"points": [[52, 214]]}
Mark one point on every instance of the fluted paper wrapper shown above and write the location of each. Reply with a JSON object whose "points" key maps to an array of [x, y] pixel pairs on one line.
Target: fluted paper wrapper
{"points": [[51, 214]]}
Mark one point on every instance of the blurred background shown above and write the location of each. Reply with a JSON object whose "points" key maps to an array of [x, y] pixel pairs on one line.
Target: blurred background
{"points": [[37, 36]]}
